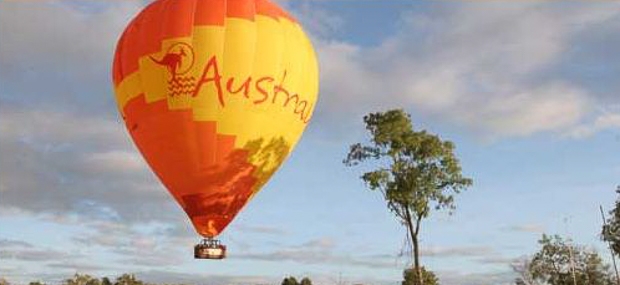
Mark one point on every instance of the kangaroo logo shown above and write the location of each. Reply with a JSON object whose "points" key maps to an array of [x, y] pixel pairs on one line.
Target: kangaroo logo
{"points": [[178, 60], [172, 61]]}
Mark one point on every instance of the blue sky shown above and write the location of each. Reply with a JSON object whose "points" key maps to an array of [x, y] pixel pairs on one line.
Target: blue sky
{"points": [[527, 90]]}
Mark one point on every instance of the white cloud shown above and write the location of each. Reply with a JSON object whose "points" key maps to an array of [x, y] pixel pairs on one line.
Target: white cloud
{"points": [[499, 260], [317, 22], [169, 277], [260, 229], [457, 251], [60, 163], [487, 68], [552, 107], [528, 228], [72, 266], [8, 243], [56, 56], [320, 251], [132, 244], [36, 33], [325, 243], [115, 160], [22, 251], [605, 121], [460, 278], [55, 130]]}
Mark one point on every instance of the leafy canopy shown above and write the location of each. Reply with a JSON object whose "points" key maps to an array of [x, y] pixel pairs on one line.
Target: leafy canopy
{"points": [[305, 281], [290, 281], [416, 168], [410, 277]]}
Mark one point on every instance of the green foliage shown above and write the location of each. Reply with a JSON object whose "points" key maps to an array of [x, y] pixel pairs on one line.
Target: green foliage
{"points": [[415, 171], [93, 282], [81, 279], [556, 260], [290, 281], [305, 281], [520, 281], [522, 267], [128, 279], [85, 279], [293, 281], [410, 277], [611, 231]]}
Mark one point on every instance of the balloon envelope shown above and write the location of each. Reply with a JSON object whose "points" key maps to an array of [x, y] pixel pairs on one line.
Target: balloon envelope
{"points": [[215, 94]]}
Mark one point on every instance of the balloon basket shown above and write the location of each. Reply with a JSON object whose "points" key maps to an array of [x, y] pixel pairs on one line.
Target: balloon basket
{"points": [[210, 249]]}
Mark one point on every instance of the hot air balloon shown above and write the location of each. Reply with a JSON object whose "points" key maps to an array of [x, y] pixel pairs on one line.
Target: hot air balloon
{"points": [[215, 94]]}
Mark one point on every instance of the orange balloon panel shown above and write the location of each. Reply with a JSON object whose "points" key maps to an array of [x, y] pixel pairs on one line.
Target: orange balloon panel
{"points": [[215, 94]]}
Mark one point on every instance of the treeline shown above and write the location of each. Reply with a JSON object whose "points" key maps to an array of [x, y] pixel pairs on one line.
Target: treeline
{"points": [[130, 279], [560, 262], [85, 279], [557, 262]]}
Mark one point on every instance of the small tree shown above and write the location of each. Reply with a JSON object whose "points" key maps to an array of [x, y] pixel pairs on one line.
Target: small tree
{"points": [[416, 171], [93, 281], [81, 279], [560, 263], [128, 279], [410, 277], [106, 281], [290, 281], [305, 281]]}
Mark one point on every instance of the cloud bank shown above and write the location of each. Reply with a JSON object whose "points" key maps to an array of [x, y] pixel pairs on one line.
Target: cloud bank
{"points": [[498, 70]]}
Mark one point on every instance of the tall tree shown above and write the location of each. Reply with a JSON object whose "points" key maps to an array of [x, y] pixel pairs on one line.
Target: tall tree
{"points": [[611, 230], [560, 263], [415, 171]]}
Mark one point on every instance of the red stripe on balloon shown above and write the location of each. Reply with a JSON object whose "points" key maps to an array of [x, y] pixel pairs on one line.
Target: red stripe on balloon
{"points": [[202, 169]]}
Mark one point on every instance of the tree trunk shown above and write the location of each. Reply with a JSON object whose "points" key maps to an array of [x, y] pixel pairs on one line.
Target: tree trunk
{"points": [[413, 232], [417, 249], [416, 259]]}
